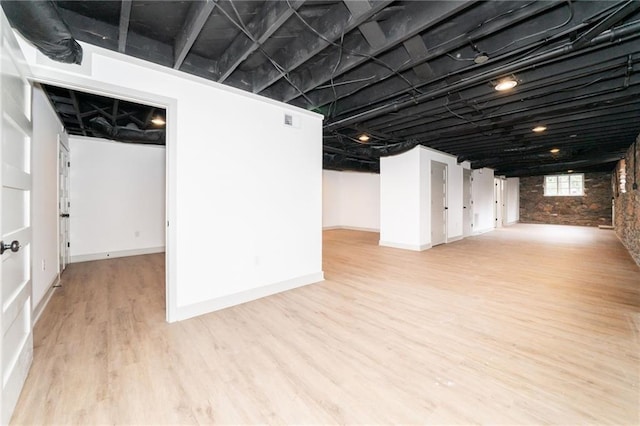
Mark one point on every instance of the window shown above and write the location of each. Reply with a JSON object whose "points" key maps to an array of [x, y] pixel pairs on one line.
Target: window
{"points": [[622, 177], [564, 185]]}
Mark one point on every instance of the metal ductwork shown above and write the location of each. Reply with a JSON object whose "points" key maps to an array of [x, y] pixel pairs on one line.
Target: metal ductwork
{"points": [[127, 134], [40, 23]]}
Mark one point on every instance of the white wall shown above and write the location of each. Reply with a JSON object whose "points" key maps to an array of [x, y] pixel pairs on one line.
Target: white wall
{"points": [[351, 200], [483, 201], [331, 196], [244, 191], [117, 199], [44, 197], [512, 202]]}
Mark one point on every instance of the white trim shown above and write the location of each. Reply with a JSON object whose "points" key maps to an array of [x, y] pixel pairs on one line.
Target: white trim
{"points": [[482, 231], [351, 228], [196, 309], [403, 246], [38, 310], [113, 254]]}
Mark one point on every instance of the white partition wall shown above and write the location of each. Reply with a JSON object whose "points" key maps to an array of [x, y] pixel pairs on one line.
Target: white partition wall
{"points": [[512, 200], [405, 198], [244, 190], [483, 201]]}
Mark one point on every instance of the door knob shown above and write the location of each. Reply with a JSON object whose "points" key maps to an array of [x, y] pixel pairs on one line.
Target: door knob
{"points": [[64, 214], [14, 246]]}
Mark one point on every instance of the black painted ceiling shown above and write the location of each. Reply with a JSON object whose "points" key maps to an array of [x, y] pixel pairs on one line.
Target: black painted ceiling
{"points": [[405, 72]]}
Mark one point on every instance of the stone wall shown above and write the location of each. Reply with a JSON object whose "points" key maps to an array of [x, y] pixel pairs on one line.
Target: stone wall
{"points": [[627, 201], [592, 209]]}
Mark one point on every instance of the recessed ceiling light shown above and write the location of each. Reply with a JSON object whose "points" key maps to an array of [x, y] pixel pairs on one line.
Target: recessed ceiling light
{"points": [[506, 84], [569, 171], [158, 121], [554, 150], [573, 136], [539, 129], [364, 138]]}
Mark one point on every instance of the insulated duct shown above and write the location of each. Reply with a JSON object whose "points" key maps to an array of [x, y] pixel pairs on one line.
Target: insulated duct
{"points": [[127, 134], [41, 24]]}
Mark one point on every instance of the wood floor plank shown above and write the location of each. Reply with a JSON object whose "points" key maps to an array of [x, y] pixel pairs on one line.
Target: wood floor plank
{"points": [[529, 324]]}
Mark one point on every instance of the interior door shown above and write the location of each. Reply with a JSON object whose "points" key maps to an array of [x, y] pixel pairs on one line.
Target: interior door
{"points": [[438, 203], [64, 204], [16, 344], [467, 203]]}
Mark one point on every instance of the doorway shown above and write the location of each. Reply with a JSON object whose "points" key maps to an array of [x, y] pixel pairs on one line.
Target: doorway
{"points": [[438, 203], [467, 203]]}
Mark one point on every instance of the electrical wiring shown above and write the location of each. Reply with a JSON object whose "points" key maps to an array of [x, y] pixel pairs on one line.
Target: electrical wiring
{"points": [[344, 83], [246, 32], [353, 52], [333, 72], [563, 24]]}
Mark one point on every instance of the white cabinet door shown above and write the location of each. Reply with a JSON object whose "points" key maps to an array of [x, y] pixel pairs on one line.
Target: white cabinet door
{"points": [[16, 343]]}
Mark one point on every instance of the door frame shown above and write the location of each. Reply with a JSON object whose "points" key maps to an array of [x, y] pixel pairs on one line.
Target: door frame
{"points": [[63, 146]]}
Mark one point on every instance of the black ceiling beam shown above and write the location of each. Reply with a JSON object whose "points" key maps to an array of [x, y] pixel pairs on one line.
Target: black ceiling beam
{"points": [[399, 28], [414, 54], [628, 8], [197, 16], [123, 30], [595, 157], [76, 105], [332, 25], [114, 111], [272, 16], [515, 66]]}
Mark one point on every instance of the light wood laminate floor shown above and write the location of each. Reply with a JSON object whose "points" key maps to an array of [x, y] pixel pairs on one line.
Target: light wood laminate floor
{"points": [[530, 324]]}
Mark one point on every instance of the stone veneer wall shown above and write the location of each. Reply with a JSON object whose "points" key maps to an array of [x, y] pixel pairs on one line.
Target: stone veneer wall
{"points": [[592, 209], [627, 204]]}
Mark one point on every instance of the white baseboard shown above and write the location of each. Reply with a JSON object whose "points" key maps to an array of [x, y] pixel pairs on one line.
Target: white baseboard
{"points": [[37, 311], [403, 246], [483, 231], [196, 309], [351, 228], [113, 254], [454, 239]]}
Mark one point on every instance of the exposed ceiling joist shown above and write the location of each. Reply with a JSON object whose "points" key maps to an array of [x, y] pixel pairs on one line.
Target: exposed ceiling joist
{"points": [[196, 18]]}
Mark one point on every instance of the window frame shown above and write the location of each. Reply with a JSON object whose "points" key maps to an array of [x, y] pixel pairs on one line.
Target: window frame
{"points": [[557, 176]]}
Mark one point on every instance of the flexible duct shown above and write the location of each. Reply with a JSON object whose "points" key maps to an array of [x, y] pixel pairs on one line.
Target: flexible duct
{"points": [[127, 134], [41, 24]]}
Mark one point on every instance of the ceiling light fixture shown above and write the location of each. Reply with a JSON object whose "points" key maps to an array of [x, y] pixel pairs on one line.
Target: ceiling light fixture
{"points": [[158, 121], [364, 137], [573, 136], [569, 171], [554, 150], [539, 129], [481, 58], [506, 84]]}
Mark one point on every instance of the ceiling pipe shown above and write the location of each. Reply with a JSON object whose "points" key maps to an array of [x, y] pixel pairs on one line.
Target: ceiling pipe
{"points": [[608, 36]]}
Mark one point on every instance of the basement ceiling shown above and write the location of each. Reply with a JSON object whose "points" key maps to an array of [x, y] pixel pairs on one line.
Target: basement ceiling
{"points": [[406, 72]]}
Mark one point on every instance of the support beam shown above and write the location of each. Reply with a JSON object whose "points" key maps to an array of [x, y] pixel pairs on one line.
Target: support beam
{"points": [[272, 16], [628, 8], [401, 27], [196, 18], [76, 105], [336, 22], [125, 14]]}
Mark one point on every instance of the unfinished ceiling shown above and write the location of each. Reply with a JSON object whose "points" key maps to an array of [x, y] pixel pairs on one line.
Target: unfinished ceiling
{"points": [[409, 72]]}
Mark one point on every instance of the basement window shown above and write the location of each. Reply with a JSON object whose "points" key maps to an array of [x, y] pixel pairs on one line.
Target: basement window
{"points": [[564, 185], [622, 177]]}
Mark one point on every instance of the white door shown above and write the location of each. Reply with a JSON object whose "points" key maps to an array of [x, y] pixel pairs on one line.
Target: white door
{"points": [[467, 203], [16, 344], [63, 204], [438, 203]]}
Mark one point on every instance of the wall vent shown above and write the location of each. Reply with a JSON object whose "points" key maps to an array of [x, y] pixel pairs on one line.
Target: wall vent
{"points": [[288, 120]]}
